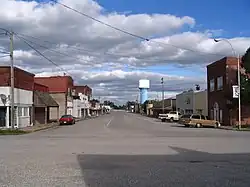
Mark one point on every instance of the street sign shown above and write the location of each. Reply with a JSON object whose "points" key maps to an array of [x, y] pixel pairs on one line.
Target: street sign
{"points": [[236, 91]]}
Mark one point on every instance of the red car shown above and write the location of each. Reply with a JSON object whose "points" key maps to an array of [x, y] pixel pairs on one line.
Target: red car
{"points": [[67, 120]]}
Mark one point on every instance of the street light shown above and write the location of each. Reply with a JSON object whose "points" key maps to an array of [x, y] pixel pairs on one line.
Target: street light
{"points": [[238, 71], [162, 83]]}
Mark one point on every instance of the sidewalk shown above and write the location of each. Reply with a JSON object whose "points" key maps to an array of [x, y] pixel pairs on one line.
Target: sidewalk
{"points": [[40, 127], [234, 128]]}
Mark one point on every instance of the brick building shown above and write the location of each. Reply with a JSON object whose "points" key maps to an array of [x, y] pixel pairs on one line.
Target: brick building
{"points": [[23, 97], [61, 89], [43, 104], [221, 76]]}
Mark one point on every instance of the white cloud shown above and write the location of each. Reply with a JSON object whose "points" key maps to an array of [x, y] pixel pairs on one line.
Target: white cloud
{"points": [[95, 54]]}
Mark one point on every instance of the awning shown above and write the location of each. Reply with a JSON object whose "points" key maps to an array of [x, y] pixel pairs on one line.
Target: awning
{"points": [[43, 99]]}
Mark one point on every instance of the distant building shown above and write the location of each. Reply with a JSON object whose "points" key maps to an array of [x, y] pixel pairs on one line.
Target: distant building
{"points": [[82, 101], [156, 108], [189, 102]]}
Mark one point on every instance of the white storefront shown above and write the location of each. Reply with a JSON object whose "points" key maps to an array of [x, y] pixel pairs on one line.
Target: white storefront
{"points": [[81, 106], [23, 100]]}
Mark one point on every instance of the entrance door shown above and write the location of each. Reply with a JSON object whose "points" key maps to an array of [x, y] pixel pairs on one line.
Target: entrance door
{"points": [[3, 117], [216, 112]]}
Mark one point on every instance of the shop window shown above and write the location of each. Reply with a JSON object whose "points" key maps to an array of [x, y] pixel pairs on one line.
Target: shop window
{"points": [[211, 83]]}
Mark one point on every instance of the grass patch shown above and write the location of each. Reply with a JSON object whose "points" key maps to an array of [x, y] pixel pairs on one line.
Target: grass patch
{"points": [[12, 132], [242, 129]]}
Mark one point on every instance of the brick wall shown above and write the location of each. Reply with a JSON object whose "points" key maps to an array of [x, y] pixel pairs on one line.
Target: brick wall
{"points": [[23, 79], [40, 87], [56, 84]]}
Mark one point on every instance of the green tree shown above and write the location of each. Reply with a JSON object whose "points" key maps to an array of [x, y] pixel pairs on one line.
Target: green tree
{"points": [[245, 80]]}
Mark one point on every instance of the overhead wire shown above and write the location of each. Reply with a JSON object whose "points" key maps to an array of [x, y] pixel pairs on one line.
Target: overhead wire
{"points": [[95, 61], [36, 50], [4, 56], [129, 33]]}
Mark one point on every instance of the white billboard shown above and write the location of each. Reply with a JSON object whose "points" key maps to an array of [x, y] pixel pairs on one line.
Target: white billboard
{"points": [[143, 83]]}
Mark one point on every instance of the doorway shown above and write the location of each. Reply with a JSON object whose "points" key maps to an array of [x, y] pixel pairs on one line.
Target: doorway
{"points": [[216, 110], [3, 116]]}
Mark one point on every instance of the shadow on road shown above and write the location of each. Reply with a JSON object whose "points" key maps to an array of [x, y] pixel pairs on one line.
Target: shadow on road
{"points": [[186, 168]]}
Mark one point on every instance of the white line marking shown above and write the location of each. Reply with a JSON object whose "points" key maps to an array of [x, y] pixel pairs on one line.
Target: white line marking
{"points": [[107, 125]]}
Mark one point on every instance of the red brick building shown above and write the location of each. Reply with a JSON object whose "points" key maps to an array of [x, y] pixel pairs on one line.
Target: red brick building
{"points": [[60, 89], [86, 90], [23, 97], [221, 76]]}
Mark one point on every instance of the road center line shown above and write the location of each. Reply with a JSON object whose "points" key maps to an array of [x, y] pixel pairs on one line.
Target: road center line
{"points": [[107, 125]]}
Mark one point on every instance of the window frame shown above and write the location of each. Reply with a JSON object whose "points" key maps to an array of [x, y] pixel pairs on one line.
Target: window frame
{"points": [[212, 80], [203, 117], [25, 111], [221, 86]]}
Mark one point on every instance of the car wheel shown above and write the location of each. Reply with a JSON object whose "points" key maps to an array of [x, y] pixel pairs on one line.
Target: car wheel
{"points": [[198, 125], [187, 125], [163, 120], [171, 119], [217, 125]]}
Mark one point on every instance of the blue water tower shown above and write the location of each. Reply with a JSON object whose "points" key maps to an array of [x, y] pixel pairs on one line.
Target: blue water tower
{"points": [[143, 86]]}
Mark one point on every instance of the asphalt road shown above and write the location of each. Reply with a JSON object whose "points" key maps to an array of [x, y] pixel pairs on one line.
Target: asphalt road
{"points": [[123, 149]]}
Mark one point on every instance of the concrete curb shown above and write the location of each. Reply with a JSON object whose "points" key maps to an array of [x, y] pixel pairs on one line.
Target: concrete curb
{"points": [[41, 128], [234, 129]]}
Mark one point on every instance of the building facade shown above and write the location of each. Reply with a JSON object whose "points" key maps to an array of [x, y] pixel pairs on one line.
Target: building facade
{"points": [[82, 103], [61, 89], [221, 76], [43, 103], [23, 97], [189, 102]]}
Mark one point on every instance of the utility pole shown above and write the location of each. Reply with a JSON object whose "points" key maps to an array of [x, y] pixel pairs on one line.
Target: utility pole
{"points": [[12, 79], [162, 83], [239, 92]]}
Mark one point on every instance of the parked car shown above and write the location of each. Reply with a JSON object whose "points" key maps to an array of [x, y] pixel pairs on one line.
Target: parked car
{"points": [[171, 116], [198, 120], [67, 120]]}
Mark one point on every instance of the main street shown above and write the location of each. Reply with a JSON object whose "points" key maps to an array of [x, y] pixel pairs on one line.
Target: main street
{"points": [[124, 149]]}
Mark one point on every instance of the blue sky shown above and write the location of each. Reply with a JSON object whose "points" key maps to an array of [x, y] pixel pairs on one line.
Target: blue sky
{"points": [[227, 15]]}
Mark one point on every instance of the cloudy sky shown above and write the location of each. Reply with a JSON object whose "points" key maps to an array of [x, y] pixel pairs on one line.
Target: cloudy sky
{"points": [[111, 62]]}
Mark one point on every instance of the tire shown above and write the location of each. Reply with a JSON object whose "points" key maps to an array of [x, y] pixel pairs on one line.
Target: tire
{"points": [[198, 125], [217, 125], [187, 125], [171, 119], [163, 120]]}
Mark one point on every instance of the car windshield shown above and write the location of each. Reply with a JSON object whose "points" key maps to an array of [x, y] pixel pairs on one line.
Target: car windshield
{"points": [[66, 116]]}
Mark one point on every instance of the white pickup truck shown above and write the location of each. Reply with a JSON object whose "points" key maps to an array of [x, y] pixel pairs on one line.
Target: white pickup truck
{"points": [[171, 116]]}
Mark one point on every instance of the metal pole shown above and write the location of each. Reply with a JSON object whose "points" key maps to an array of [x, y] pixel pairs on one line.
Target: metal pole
{"points": [[162, 82], [239, 92], [12, 80]]}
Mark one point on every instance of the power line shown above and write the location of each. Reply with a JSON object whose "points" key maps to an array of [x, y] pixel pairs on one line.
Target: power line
{"points": [[129, 33], [4, 56], [73, 47], [51, 61], [4, 52], [99, 21], [105, 53]]}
